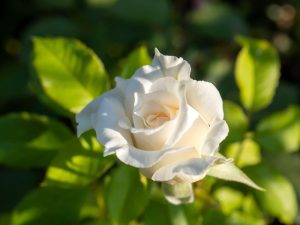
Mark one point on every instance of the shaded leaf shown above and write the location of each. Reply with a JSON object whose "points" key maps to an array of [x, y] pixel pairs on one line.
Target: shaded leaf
{"points": [[29, 140], [280, 131], [70, 73], [257, 73], [50, 205], [126, 196]]}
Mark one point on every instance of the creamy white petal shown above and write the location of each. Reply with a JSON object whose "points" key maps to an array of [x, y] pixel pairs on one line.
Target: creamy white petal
{"points": [[85, 118], [181, 193], [215, 135], [172, 66], [144, 159], [228, 171], [205, 98], [189, 171]]}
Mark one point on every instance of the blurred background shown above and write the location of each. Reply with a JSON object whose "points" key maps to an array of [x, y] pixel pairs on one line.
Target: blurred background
{"points": [[201, 31]]}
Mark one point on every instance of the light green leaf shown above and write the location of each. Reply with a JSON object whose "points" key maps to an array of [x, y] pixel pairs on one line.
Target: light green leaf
{"points": [[257, 72], [127, 195], [78, 163], [245, 153], [279, 199], [228, 171], [30, 140], [49, 206], [138, 58], [280, 131], [236, 120], [69, 72], [229, 199]]}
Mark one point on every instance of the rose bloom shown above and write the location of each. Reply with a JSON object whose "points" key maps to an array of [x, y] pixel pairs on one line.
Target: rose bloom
{"points": [[164, 123]]}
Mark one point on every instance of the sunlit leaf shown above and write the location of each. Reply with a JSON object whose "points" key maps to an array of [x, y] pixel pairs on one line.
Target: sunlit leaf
{"points": [[257, 73], [70, 73], [280, 131], [229, 199], [49, 206], [78, 163], [279, 199], [126, 196], [29, 140], [244, 153], [135, 60], [236, 120]]}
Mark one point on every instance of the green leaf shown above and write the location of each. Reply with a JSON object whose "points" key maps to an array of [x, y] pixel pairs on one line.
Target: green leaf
{"points": [[127, 195], [69, 72], [229, 199], [245, 153], [138, 58], [78, 163], [29, 140], [280, 131], [236, 120], [160, 213], [279, 199], [257, 72], [49, 206]]}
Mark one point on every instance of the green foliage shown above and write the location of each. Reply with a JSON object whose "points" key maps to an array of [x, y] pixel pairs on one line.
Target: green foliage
{"points": [[279, 199], [127, 194], [30, 140], [280, 131], [135, 60], [79, 163], [61, 63], [256, 73], [245, 153], [236, 120], [50, 205]]}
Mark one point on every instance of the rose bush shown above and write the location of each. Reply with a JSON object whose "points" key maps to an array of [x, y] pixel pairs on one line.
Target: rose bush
{"points": [[166, 124]]}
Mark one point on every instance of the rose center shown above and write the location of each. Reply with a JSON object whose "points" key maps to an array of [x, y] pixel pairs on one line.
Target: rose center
{"points": [[158, 118]]}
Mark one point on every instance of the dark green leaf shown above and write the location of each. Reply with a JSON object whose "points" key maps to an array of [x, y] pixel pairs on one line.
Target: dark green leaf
{"points": [[29, 140], [127, 195], [70, 73], [50, 206], [257, 73], [280, 131], [135, 60]]}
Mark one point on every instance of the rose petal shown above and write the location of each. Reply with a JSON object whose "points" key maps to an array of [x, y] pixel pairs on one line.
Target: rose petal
{"points": [[143, 159], [85, 119], [228, 171], [205, 98], [189, 171], [172, 66], [215, 135]]}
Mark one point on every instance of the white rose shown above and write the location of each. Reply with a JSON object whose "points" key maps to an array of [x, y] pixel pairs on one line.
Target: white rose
{"points": [[164, 123]]}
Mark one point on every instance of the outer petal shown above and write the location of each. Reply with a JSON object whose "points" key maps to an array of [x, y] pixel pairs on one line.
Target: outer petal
{"points": [[216, 134], [188, 171], [172, 66], [85, 119], [228, 171], [205, 98]]}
